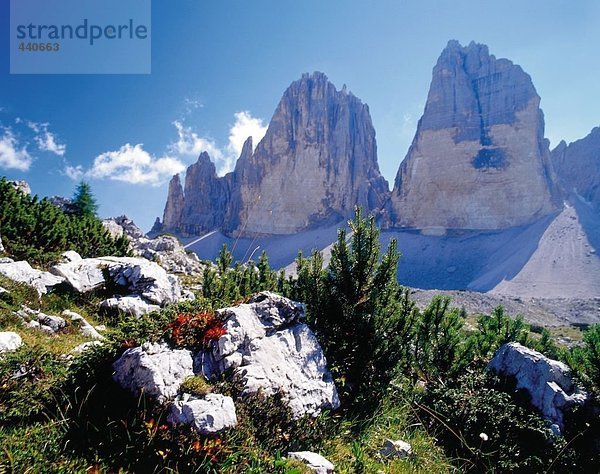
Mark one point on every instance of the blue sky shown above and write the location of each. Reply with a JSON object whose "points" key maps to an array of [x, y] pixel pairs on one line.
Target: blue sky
{"points": [[219, 68]]}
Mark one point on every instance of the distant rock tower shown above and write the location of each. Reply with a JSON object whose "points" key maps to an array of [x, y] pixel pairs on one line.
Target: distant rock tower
{"points": [[317, 161], [479, 159]]}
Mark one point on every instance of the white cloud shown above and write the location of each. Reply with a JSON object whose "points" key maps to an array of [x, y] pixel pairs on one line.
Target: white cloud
{"points": [[190, 143], [76, 173], [11, 156], [131, 164], [245, 126], [44, 139]]}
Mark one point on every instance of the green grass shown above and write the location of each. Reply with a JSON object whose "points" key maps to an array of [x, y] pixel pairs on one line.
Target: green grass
{"points": [[357, 446]]}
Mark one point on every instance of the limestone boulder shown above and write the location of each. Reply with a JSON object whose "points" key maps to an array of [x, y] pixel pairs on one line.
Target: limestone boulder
{"points": [[23, 272], [10, 341], [547, 382], [132, 305], [208, 415], [269, 347], [153, 369]]}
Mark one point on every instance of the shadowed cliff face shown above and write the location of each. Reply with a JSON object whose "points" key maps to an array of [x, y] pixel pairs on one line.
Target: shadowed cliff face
{"points": [[317, 161], [479, 159], [578, 167]]}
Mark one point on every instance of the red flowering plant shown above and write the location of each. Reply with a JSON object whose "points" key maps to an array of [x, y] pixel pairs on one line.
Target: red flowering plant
{"points": [[196, 330]]}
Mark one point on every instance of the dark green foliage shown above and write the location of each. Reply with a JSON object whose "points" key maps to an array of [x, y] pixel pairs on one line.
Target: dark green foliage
{"points": [[222, 284], [495, 330], [585, 360], [38, 231], [438, 341], [83, 203], [353, 305], [26, 377], [518, 440]]}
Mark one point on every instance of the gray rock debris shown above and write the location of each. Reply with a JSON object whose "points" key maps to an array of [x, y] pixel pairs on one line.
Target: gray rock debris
{"points": [[272, 351], [154, 369], [313, 461], [547, 381], [208, 415]]}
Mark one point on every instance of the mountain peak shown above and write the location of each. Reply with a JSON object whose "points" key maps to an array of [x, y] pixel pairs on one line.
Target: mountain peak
{"points": [[316, 162], [479, 159]]}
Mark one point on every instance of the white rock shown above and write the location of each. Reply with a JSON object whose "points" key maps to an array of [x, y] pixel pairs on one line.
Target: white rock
{"points": [[10, 341], [209, 415], [395, 449], [70, 256], [314, 461], [33, 324], [82, 275], [547, 381], [169, 253], [154, 369], [133, 305], [55, 323], [3, 290], [22, 272], [137, 275], [272, 351], [85, 328]]}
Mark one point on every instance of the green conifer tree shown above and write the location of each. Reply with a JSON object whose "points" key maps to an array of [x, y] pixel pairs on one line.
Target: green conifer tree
{"points": [[83, 203]]}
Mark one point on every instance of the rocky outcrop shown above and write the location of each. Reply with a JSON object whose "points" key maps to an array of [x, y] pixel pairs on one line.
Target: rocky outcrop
{"points": [[137, 276], [317, 161], [578, 167], [22, 272], [397, 449], [548, 383], [272, 351], [208, 415], [85, 328], [153, 369], [123, 225], [166, 250], [139, 286], [479, 159]]}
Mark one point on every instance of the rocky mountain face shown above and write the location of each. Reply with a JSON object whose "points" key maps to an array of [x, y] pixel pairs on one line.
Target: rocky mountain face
{"points": [[317, 161], [479, 159], [578, 167]]}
